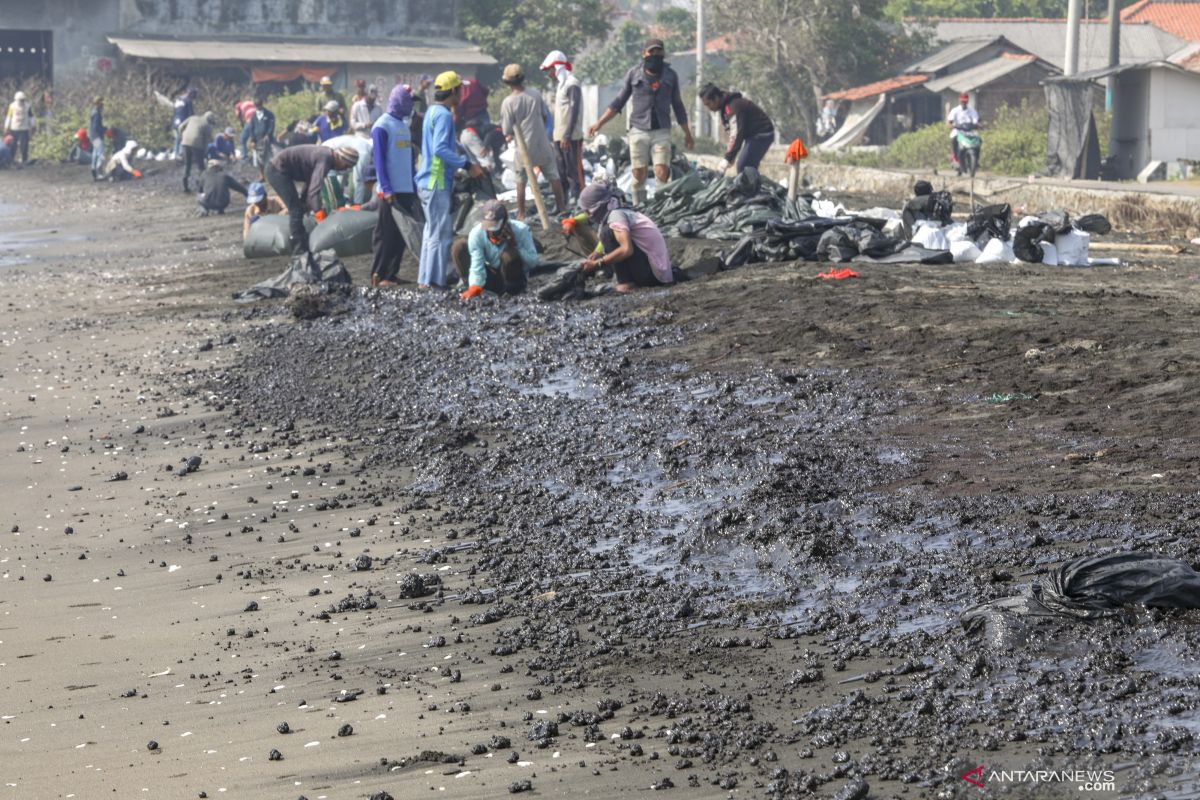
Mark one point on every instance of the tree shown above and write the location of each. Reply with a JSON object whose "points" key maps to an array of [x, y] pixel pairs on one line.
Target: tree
{"points": [[789, 53], [523, 31], [611, 62], [680, 27]]}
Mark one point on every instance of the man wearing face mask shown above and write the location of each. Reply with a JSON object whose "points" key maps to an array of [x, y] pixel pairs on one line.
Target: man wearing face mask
{"points": [[654, 88], [496, 255]]}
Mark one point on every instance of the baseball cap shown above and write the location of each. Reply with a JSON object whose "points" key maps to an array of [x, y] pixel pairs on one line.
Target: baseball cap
{"points": [[255, 193], [513, 74], [654, 43], [964, 96], [327, 81], [495, 214], [446, 81]]}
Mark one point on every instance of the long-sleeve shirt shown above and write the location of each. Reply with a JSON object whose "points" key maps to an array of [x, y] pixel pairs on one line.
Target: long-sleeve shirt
{"points": [[196, 131], [307, 164], [262, 126], [484, 254], [222, 147], [362, 117], [742, 119], [19, 117], [183, 110], [393, 153], [215, 185], [439, 152], [653, 99], [568, 110], [96, 124]]}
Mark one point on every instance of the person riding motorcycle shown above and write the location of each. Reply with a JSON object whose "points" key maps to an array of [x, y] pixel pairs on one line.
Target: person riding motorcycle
{"points": [[964, 116]]}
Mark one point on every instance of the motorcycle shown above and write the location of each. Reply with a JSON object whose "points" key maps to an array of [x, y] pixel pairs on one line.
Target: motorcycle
{"points": [[969, 142]]}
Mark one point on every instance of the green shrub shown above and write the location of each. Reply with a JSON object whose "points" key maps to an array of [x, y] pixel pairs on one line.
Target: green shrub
{"points": [[137, 102], [1014, 143]]}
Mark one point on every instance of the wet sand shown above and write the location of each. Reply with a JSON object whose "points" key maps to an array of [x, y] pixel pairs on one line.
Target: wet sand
{"points": [[755, 594]]}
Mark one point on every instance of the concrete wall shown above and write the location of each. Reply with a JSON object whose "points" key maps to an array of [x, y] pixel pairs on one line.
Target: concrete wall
{"points": [[1174, 116], [331, 19], [78, 26]]}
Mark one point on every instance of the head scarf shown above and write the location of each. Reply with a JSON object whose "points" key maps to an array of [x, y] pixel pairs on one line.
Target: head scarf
{"points": [[597, 200], [400, 101], [557, 61]]}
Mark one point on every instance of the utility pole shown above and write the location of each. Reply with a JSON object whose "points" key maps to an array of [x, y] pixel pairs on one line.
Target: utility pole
{"points": [[700, 111], [1071, 62], [1114, 50]]}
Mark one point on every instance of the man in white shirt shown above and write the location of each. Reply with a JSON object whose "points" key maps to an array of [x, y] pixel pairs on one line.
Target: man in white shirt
{"points": [[959, 115]]}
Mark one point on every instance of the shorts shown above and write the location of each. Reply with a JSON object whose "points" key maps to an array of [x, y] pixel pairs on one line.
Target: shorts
{"points": [[549, 169], [646, 147]]}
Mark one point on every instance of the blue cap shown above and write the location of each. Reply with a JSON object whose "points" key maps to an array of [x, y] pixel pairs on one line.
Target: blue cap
{"points": [[256, 193]]}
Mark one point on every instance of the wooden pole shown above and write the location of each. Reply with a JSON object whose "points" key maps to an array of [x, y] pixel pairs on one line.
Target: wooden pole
{"points": [[531, 176], [794, 181]]}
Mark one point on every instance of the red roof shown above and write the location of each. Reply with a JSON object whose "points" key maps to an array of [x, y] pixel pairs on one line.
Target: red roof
{"points": [[1180, 19], [878, 87]]}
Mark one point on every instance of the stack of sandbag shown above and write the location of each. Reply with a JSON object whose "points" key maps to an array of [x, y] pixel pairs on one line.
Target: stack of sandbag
{"points": [[1053, 238], [346, 232], [271, 236]]}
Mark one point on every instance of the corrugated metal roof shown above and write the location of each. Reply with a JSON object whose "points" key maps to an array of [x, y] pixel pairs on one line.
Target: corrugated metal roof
{"points": [[1180, 19], [878, 87], [981, 75], [1045, 38], [951, 53], [261, 51]]}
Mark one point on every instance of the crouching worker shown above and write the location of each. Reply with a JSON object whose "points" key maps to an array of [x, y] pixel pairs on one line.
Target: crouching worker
{"points": [[632, 246], [258, 205], [308, 164], [215, 184], [120, 167], [496, 255]]}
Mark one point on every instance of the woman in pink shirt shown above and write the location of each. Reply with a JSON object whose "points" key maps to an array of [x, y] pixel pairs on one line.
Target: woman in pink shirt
{"points": [[634, 248]]}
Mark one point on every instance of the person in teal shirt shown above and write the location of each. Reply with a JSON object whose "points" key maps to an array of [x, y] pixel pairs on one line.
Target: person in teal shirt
{"points": [[440, 159], [497, 254]]}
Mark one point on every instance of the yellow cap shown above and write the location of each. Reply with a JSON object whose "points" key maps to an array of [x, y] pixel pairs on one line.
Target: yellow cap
{"points": [[447, 81]]}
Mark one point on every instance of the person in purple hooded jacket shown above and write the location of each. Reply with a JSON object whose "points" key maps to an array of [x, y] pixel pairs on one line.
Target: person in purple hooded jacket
{"points": [[400, 216]]}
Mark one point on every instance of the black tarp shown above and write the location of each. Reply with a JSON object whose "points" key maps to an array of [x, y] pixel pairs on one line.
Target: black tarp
{"points": [[1072, 148], [1088, 588], [324, 267]]}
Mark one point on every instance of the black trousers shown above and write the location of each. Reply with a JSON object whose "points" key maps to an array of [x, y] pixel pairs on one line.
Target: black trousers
{"points": [[570, 166], [636, 269], [21, 145], [398, 229], [508, 279], [191, 155], [286, 189]]}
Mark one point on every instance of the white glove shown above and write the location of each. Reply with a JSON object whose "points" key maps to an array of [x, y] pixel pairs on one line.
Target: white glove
{"points": [[724, 165]]}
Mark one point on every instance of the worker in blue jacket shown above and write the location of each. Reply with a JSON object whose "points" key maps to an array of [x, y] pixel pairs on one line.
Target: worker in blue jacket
{"points": [[400, 217], [496, 255], [440, 159]]}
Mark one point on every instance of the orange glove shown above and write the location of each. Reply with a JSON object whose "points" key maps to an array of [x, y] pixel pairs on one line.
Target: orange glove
{"points": [[568, 226], [474, 291], [320, 215], [137, 173]]}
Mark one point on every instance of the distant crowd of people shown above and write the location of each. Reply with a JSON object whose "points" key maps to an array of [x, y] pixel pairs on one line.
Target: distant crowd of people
{"points": [[401, 158]]}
